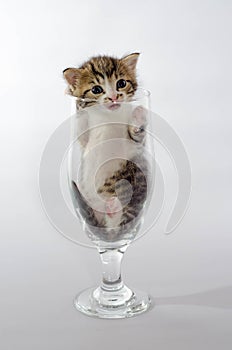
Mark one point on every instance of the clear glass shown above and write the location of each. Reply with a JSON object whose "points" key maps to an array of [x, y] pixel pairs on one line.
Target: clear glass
{"points": [[111, 178]]}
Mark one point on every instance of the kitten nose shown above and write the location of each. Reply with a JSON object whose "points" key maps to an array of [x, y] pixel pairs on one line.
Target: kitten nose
{"points": [[114, 98]]}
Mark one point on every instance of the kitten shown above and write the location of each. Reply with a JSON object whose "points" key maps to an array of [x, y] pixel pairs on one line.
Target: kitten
{"points": [[121, 183]]}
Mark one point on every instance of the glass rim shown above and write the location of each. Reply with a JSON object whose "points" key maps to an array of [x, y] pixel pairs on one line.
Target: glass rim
{"points": [[144, 93]]}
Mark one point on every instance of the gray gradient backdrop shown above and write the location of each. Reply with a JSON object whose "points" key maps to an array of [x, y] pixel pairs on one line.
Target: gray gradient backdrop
{"points": [[186, 63]]}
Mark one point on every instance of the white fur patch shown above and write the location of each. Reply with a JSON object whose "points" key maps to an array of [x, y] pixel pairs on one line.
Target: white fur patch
{"points": [[107, 145]]}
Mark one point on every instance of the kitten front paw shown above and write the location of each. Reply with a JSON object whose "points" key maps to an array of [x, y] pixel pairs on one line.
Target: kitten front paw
{"points": [[139, 122], [139, 117], [113, 206], [113, 213]]}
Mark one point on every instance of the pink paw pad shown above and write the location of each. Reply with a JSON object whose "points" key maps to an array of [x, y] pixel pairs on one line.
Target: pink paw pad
{"points": [[113, 206], [139, 116]]}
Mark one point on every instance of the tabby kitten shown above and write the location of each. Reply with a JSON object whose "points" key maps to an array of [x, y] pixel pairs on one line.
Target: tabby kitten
{"points": [[108, 81]]}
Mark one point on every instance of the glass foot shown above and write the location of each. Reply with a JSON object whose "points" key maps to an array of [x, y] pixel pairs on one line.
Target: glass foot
{"points": [[121, 304]]}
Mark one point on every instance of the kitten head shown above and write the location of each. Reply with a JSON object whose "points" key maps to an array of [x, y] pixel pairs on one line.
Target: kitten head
{"points": [[103, 79]]}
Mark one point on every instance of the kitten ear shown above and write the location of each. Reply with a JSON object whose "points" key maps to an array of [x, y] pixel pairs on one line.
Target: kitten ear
{"points": [[131, 60], [71, 75]]}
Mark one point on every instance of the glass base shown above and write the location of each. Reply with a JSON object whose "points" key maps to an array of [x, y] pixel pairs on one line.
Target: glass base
{"points": [[120, 304]]}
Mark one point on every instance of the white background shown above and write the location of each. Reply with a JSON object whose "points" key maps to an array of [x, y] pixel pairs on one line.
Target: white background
{"points": [[185, 61]]}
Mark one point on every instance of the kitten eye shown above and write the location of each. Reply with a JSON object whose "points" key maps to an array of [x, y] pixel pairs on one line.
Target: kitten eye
{"points": [[97, 89], [121, 84]]}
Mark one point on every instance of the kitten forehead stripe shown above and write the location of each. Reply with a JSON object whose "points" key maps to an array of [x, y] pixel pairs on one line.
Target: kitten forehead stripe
{"points": [[115, 68], [96, 72], [111, 69]]}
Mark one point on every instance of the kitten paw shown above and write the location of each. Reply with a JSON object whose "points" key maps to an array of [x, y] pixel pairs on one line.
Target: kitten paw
{"points": [[139, 118], [138, 124], [113, 207]]}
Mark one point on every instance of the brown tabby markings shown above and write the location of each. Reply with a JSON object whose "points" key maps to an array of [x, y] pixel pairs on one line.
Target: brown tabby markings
{"points": [[136, 177]]}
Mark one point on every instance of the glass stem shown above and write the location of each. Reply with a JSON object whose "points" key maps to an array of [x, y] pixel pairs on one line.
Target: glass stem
{"points": [[111, 269]]}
